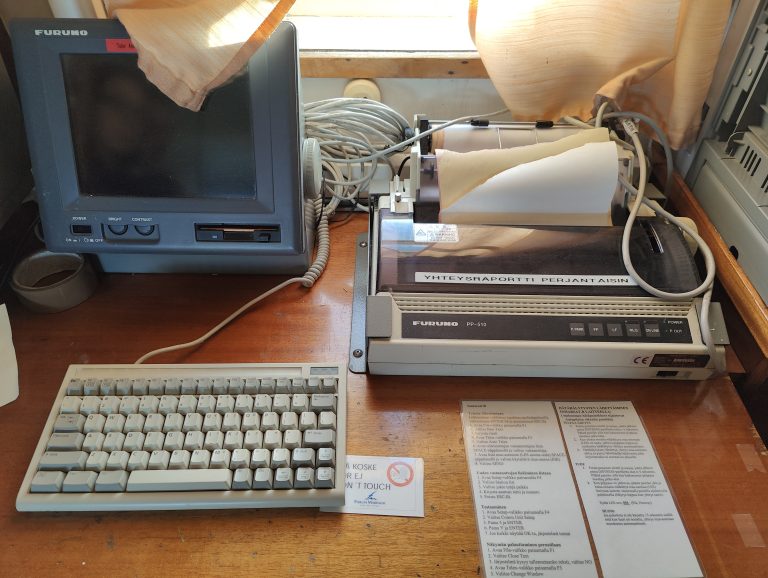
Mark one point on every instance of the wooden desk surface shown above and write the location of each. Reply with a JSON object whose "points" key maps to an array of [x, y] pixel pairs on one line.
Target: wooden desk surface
{"points": [[715, 464]]}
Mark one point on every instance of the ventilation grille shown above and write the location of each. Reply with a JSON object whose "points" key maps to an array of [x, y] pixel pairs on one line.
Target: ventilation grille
{"points": [[513, 305], [752, 158]]}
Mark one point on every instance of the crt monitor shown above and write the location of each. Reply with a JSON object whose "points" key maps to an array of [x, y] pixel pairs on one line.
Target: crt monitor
{"points": [[124, 173]]}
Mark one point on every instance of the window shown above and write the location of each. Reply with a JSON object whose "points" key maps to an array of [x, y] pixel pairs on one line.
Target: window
{"points": [[390, 38]]}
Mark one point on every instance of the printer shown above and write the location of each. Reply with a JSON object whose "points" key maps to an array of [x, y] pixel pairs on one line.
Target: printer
{"points": [[459, 295]]}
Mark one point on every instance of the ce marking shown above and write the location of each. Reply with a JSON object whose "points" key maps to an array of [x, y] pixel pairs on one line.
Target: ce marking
{"points": [[642, 360]]}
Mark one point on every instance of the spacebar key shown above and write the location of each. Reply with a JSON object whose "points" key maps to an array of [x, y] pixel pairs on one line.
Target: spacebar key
{"points": [[179, 480]]}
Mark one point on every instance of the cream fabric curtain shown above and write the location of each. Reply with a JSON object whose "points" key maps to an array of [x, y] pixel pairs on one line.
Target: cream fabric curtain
{"points": [[189, 47], [554, 58]]}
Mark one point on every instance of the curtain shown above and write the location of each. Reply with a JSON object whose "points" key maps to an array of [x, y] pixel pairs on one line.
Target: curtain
{"points": [[189, 47], [555, 58]]}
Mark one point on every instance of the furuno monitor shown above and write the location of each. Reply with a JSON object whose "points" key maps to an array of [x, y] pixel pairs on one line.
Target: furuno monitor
{"points": [[124, 173]]}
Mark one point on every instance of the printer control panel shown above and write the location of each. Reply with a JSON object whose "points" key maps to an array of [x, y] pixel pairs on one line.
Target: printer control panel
{"points": [[545, 327]]}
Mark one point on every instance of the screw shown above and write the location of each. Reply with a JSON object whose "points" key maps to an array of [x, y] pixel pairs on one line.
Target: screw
{"points": [[364, 244], [357, 353]]}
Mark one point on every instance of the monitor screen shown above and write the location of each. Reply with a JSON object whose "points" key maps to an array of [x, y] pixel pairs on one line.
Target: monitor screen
{"points": [[130, 140]]}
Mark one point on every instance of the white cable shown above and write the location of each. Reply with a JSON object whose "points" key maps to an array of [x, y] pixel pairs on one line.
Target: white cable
{"points": [[706, 287], [307, 280]]}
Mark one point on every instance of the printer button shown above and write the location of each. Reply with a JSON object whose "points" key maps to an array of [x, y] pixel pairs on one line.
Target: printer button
{"points": [[633, 330], [577, 330], [596, 330], [652, 330], [615, 330]]}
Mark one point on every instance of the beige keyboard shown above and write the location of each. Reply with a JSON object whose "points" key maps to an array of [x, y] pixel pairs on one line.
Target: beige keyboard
{"points": [[136, 437]]}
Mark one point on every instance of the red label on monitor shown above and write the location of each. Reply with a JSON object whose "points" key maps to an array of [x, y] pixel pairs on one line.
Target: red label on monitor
{"points": [[120, 45]]}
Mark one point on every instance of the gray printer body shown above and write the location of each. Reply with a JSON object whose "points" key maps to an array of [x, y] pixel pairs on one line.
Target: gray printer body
{"points": [[542, 301]]}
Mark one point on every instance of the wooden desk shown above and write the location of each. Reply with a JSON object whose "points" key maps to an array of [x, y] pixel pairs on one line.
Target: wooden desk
{"points": [[700, 431]]}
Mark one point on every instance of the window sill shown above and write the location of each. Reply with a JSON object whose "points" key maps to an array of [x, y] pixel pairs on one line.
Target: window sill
{"points": [[386, 64]]}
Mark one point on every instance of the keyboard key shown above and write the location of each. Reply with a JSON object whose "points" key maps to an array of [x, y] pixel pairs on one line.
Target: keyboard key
{"points": [[194, 440], [200, 459], [138, 461], [129, 405], [273, 439], [69, 423], [225, 404], [192, 422], [236, 386], [240, 459], [154, 441], [292, 438], [174, 441], [47, 482], [220, 459], [93, 442], [324, 477], [134, 441], [71, 404], [109, 404], [173, 386], [267, 386], [63, 461], [233, 440], [220, 386], [281, 458], [154, 423], [97, 461], [243, 404], [168, 404], [94, 422], [317, 438], [179, 460], [90, 405], [283, 385], [158, 460], [187, 405], [253, 439], [303, 457], [327, 420], [107, 387], [304, 478], [281, 403], [179, 480], [134, 422], [156, 386], [188, 386], [262, 479], [113, 442], [283, 479], [75, 387], [118, 460], [123, 387], [326, 457], [242, 479], [214, 440], [115, 423], [111, 481], [65, 441], [322, 402], [79, 482]]}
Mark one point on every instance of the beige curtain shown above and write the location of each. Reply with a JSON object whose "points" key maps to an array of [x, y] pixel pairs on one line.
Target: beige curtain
{"points": [[189, 47], [554, 58]]}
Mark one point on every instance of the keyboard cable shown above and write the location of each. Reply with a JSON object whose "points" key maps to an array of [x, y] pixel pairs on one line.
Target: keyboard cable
{"points": [[307, 280]]}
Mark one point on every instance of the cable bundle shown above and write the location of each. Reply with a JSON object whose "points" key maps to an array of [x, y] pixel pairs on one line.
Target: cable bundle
{"points": [[353, 133]]}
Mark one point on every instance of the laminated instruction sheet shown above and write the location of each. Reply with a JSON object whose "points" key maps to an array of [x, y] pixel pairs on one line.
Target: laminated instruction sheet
{"points": [[523, 458]]}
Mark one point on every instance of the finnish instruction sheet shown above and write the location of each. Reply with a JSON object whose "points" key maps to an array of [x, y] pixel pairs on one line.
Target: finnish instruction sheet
{"points": [[634, 522], [529, 512]]}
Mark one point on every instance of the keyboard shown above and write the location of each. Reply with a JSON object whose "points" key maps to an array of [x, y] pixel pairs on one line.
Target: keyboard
{"points": [[140, 437]]}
